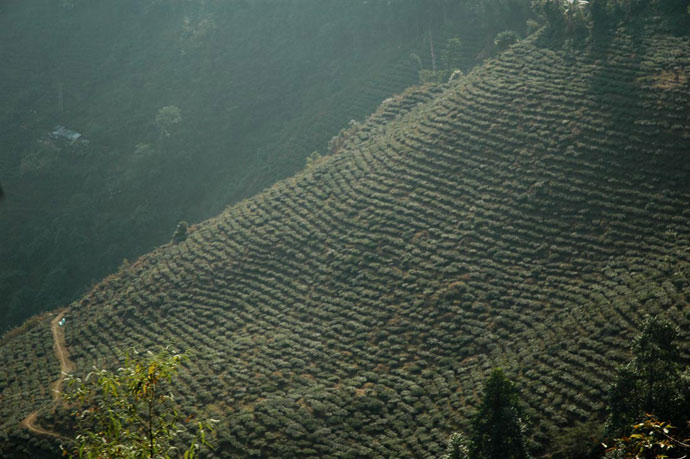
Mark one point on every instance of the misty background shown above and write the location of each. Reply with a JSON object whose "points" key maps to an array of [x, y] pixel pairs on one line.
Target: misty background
{"points": [[183, 108]]}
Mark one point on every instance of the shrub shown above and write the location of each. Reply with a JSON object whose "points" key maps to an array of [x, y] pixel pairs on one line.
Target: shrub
{"points": [[506, 38], [180, 232]]}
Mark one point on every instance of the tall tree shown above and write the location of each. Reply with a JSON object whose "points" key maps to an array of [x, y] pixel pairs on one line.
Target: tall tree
{"points": [[497, 431], [651, 382]]}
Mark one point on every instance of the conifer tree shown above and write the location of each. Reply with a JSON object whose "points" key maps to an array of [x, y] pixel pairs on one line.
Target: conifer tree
{"points": [[497, 430], [457, 447]]}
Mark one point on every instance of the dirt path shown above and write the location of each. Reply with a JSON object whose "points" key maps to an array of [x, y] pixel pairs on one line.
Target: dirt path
{"points": [[29, 423], [66, 366]]}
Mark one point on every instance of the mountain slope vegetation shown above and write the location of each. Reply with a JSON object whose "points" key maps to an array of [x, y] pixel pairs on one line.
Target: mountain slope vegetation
{"points": [[258, 86], [526, 215]]}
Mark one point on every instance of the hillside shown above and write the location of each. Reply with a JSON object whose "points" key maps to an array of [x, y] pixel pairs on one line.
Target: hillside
{"points": [[259, 86], [526, 215]]}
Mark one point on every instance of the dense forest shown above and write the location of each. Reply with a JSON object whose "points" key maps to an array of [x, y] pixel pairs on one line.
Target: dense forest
{"points": [[366, 224]]}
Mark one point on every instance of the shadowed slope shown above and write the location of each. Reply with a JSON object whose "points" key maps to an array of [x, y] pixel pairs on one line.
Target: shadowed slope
{"points": [[526, 216]]}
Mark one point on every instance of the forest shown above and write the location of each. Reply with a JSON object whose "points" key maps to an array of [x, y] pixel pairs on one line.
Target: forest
{"points": [[355, 220]]}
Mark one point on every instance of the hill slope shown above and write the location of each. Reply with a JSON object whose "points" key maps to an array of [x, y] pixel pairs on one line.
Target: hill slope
{"points": [[259, 84], [525, 216]]}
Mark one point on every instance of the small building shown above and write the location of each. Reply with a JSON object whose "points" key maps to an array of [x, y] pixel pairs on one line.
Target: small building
{"points": [[61, 132]]}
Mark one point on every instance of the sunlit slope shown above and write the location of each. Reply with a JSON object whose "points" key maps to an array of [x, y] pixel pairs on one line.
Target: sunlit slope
{"points": [[526, 216]]}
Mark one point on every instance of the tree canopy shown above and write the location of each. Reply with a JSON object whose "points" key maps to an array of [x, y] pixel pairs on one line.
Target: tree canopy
{"points": [[131, 412], [651, 382], [496, 429]]}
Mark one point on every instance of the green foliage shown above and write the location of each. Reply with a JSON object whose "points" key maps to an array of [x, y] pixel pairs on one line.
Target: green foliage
{"points": [[651, 382], [449, 67], [564, 16], [601, 12], [506, 38], [497, 431], [427, 76], [532, 26], [651, 439], [452, 53], [338, 142], [131, 413], [313, 158], [180, 232], [549, 11], [669, 6], [457, 74], [338, 286], [582, 441], [576, 14], [458, 447]]}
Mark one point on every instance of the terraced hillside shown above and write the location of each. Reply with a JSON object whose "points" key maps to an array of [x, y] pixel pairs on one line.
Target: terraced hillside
{"points": [[526, 216]]}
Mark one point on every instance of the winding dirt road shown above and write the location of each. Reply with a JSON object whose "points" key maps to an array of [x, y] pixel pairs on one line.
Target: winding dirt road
{"points": [[66, 366]]}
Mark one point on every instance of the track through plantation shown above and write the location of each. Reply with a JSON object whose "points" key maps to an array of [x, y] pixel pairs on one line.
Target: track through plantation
{"points": [[66, 367]]}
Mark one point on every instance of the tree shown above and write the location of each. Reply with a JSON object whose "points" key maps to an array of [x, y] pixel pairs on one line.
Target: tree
{"points": [[652, 382], [575, 12], [600, 11], [569, 16], [457, 447], [453, 54], [131, 413], [181, 232], [497, 431], [312, 159], [506, 38]]}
